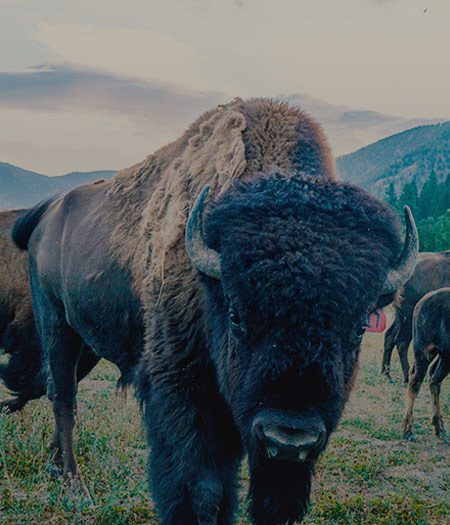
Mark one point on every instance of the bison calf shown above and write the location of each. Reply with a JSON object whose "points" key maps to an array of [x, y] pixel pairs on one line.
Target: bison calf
{"points": [[431, 331]]}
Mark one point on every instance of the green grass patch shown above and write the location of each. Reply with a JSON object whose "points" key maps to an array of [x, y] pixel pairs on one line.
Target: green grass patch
{"points": [[367, 476]]}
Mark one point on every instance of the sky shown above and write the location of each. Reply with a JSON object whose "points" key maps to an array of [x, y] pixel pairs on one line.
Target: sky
{"points": [[99, 84]]}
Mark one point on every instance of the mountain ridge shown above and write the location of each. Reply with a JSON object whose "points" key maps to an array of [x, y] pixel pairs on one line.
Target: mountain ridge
{"points": [[21, 188], [408, 156]]}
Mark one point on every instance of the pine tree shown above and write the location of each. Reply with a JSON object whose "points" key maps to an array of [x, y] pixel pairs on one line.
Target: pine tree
{"points": [[409, 196], [431, 209], [390, 197], [426, 235], [429, 200], [441, 232], [444, 196]]}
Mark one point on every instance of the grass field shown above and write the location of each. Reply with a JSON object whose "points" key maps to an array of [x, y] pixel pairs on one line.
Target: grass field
{"points": [[368, 475]]}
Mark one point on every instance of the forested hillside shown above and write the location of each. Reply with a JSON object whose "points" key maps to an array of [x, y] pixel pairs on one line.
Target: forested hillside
{"points": [[410, 168], [406, 157]]}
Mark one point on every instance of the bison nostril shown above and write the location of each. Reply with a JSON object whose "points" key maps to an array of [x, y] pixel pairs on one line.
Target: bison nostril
{"points": [[302, 455], [298, 440], [272, 452], [290, 437]]}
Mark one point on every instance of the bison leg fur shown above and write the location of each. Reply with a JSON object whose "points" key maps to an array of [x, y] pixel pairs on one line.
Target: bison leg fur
{"points": [[195, 448], [192, 481], [184, 492], [402, 347], [416, 378], [62, 347], [437, 375], [389, 342]]}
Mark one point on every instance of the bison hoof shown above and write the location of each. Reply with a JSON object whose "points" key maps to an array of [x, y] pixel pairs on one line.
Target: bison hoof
{"points": [[388, 377], [55, 471], [409, 436], [77, 489], [11, 405], [438, 424]]}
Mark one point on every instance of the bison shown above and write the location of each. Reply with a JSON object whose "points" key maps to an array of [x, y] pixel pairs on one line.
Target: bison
{"points": [[215, 274], [431, 331], [18, 335], [24, 374], [432, 272]]}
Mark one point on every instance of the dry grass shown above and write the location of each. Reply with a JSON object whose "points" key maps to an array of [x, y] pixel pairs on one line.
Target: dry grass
{"points": [[368, 475]]}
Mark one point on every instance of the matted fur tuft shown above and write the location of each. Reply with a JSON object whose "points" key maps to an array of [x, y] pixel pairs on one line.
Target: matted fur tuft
{"points": [[231, 142]]}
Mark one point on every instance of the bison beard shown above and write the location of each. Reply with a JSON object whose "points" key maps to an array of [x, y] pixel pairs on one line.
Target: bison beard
{"points": [[279, 491]]}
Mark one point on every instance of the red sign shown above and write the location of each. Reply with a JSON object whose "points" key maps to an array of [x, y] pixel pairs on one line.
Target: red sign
{"points": [[376, 321]]}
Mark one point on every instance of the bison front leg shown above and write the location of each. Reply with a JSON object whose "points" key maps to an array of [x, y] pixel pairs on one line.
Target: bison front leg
{"points": [[416, 377], [402, 347], [61, 345], [64, 408], [389, 343], [195, 449], [438, 373]]}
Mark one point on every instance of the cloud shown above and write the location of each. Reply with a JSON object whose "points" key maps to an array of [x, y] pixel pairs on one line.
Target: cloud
{"points": [[73, 88], [65, 117], [128, 52]]}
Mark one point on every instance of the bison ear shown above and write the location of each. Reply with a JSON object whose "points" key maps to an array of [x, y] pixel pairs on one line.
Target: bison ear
{"points": [[204, 258], [406, 264]]}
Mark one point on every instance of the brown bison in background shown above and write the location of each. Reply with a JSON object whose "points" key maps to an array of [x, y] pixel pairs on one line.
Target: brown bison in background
{"points": [[432, 272], [431, 334], [24, 374], [18, 335], [215, 275]]}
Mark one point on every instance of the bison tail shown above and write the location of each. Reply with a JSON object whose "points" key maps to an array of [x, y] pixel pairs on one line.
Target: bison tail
{"points": [[27, 222]]}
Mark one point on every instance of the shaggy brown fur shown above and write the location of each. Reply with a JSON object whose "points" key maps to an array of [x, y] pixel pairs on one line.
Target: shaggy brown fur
{"points": [[15, 299], [18, 335], [235, 141]]}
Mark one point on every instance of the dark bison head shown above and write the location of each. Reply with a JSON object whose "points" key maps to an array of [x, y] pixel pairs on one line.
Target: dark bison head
{"points": [[294, 265]]}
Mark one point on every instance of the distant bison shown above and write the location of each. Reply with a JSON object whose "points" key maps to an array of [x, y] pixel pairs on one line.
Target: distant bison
{"points": [[18, 335], [23, 374], [432, 272], [215, 275], [431, 330]]}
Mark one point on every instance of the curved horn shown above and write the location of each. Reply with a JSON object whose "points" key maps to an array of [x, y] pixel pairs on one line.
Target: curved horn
{"points": [[202, 257], [406, 264]]}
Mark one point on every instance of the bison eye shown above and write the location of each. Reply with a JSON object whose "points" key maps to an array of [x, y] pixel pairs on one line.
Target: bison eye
{"points": [[235, 319], [361, 330]]}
